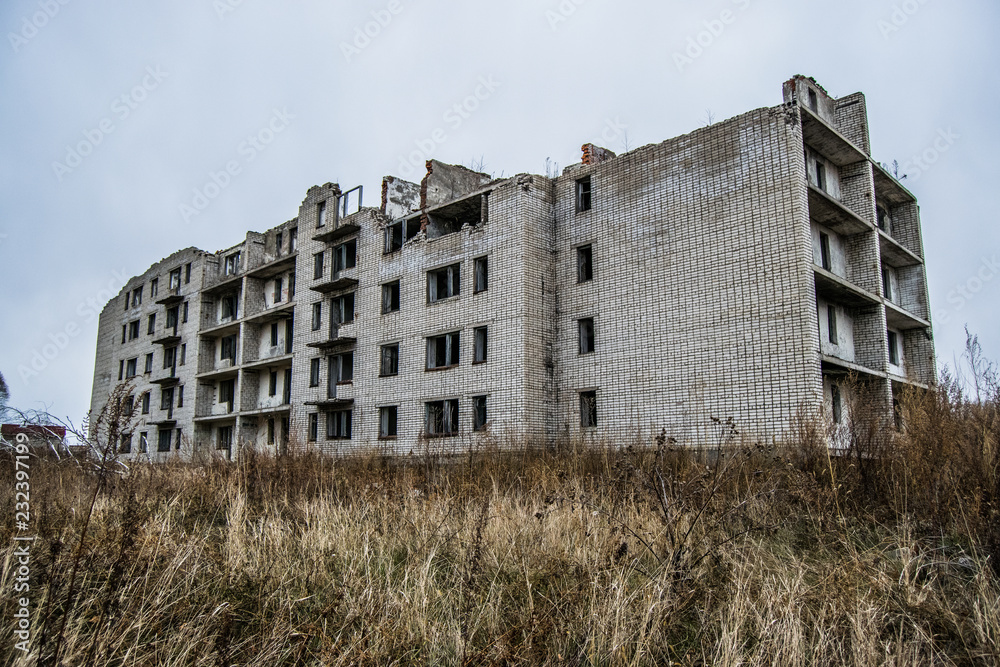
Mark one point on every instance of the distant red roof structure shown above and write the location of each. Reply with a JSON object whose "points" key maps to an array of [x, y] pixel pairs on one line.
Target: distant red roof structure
{"points": [[34, 432]]}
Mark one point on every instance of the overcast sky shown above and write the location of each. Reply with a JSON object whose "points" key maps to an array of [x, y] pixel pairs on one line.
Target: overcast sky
{"points": [[115, 115]]}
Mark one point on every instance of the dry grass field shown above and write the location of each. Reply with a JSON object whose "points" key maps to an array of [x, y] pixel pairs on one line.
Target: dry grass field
{"points": [[749, 554]]}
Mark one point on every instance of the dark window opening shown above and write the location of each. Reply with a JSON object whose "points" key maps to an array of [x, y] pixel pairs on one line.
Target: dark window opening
{"points": [[342, 368], [321, 214], [443, 351], [227, 393], [133, 330], [884, 220], [451, 218], [187, 273], [387, 422], [481, 275], [270, 431], [389, 360], [338, 425], [836, 404], [145, 403], [229, 348], [172, 314], [225, 438], [149, 363], [232, 264], [584, 264], [583, 194], [317, 266], [345, 256], [444, 283], [272, 383], [886, 283], [175, 279], [314, 366], [479, 353], [185, 318], [154, 285], [274, 334], [279, 286], [317, 320], [893, 348], [831, 322], [342, 309], [442, 418], [130, 368], [313, 427], [588, 409], [126, 444], [390, 297], [585, 328], [164, 440], [824, 251], [820, 175], [229, 306], [813, 101], [121, 369], [478, 413]]}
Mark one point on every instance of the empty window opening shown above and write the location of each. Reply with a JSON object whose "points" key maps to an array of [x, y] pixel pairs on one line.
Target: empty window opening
{"points": [[272, 383], [163, 442], [399, 232], [387, 422], [342, 309], [442, 417], [813, 101], [451, 218], [313, 427], [443, 351], [169, 357], [884, 219], [187, 273], [321, 214], [479, 416], [232, 264], [390, 297], [172, 318], [583, 194], [893, 348], [317, 266], [227, 393], [836, 404], [293, 239], [154, 285], [225, 438], [180, 396], [342, 368], [175, 279], [279, 241], [151, 327], [820, 175], [133, 330], [149, 363], [588, 409], [824, 251], [270, 431], [145, 403], [167, 398], [274, 334], [584, 264], [279, 285], [887, 283], [130, 368], [481, 340], [585, 328], [126, 444], [338, 425], [345, 256], [314, 366], [389, 360], [481, 275], [444, 283], [185, 318], [317, 319], [831, 323], [230, 306]]}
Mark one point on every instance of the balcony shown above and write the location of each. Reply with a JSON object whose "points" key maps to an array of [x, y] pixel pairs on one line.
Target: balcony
{"points": [[898, 318], [895, 254], [278, 358], [829, 212], [173, 297], [167, 380], [340, 340], [889, 190], [842, 291], [169, 337], [223, 370], [829, 142], [274, 268], [338, 282], [281, 311]]}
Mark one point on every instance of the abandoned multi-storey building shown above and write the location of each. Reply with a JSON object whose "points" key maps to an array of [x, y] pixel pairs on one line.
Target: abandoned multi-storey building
{"points": [[739, 272]]}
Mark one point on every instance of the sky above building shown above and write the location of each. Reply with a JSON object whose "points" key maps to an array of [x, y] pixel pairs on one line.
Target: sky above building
{"points": [[131, 130]]}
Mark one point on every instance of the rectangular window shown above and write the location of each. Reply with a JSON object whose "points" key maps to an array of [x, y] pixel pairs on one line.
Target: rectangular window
{"points": [[175, 279], [893, 348], [121, 369], [184, 349], [229, 307], [478, 413], [389, 360], [831, 323], [820, 175], [274, 334], [444, 283], [393, 237], [291, 286], [585, 333], [167, 398], [279, 285], [317, 321], [836, 403], [225, 438], [338, 425], [154, 286], [317, 266], [387, 421], [124, 329], [187, 273], [133, 330], [172, 318], [126, 444], [270, 431], [442, 418], [180, 396], [130, 368], [137, 297], [185, 318], [886, 283], [321, 214], [227, 393], [177, 442], [143, 442], [145, 403], [169, 357], [443, 351], [584, 264], [313, 427], [342, 368], [233, 264], [813, 101], [272, 384], [164, 438], [479, 353], [583, 194], [228, 348], [390, 297], [279, 240], [824, 251], [314, 372], [293, 239], [588, 409], [343, 309], [481, 277], [345, 256], [149, 363], [884, 221]]}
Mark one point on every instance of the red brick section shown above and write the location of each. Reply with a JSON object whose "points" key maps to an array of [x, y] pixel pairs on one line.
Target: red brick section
{"points": [[595, 154]]}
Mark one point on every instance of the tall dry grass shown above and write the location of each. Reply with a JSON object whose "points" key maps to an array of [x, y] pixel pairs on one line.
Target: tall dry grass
{"points": [[749, 554]]}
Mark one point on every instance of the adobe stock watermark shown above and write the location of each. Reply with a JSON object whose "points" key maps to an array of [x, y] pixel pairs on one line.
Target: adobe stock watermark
{"points": [[899, 16], [453, 117], [962, 294], [21, 558], [30, 25], [919, 164], [562, 13], [88, 312], [365, 34], [705, 39], [121, 108], [247, 151]]}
